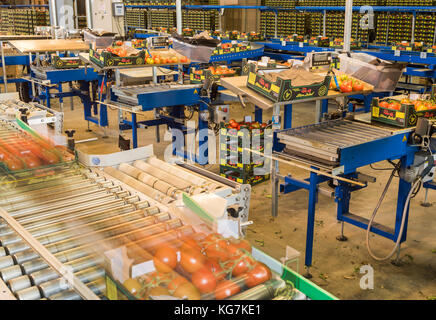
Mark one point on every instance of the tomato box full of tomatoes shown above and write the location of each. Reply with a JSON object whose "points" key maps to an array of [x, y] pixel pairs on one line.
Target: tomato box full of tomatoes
{"points": [[402, 113], [215, 73], [282, 89], [225, 48], [195, 266], [111, 57], [320, 41], [346, 84]]}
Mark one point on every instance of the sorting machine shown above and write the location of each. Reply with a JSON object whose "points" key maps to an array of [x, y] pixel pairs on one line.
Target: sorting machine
{"points": [[340, 147]]}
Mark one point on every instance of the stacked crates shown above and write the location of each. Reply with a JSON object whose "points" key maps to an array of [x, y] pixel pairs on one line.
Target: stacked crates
{"points": [[200, 19], [135, 18], [335, 24], [232, 153], [288, 22], [397, 26], [425, 27]]}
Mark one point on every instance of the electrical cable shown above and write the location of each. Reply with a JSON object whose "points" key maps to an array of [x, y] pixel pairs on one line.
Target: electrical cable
{"points": [[413, 190]]}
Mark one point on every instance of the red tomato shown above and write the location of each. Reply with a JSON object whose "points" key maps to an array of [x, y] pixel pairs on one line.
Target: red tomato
{"points": [[215, 251], [190, 243], [226, 289], [346, 87], [259, 274], [191, 260], [214, 266], [394, 105], [204, 280], [31, 161], [240, 264], [165, 259], [13, 164], [176, 282], [384, 104], [242, 244], [358, 86]]}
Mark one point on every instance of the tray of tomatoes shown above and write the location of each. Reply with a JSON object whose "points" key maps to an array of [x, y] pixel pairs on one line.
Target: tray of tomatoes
{"points": [[402, 112], [233, 124], [21, 152], [203, 267], [215, 73], [347, 84]]}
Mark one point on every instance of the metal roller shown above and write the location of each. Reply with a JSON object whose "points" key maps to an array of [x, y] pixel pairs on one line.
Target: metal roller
{"points": [[58, 207], [113, 208], [19, 283], [153, 182], [177, 182], [6, 261], [2, 252], [31, 293], [11, 272], [141, 187], [54, 286], [66, 295], [37, 204]]}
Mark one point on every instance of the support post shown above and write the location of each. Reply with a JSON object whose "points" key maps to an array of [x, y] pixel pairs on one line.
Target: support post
{"points": [[313, 190], [348, 24], [5, 76]]}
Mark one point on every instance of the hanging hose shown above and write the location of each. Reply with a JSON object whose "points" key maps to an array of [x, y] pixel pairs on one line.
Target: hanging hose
{"points": [[415, 185]]}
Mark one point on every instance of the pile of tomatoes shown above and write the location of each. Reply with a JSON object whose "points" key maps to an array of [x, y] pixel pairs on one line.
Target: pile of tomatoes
{"points": [[219, 70], [117, 51], [203, 267], [162, 59], [20, 153], [420, 105], [245, 125], [347, 84]]}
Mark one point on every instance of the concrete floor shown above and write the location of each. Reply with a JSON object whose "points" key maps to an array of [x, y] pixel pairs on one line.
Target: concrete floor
{"points": [[336, 264]]}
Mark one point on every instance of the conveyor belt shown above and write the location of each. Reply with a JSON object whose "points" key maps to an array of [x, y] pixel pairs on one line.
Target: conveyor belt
{"points": [[323, 142], [75, 216]]}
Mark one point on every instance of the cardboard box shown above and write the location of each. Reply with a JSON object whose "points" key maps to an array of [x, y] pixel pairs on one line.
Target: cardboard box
{"points": [[406, 117], [283, 90]]}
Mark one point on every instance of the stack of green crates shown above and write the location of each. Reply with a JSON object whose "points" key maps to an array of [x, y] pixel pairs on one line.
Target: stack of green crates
{"points": [[335, 24], [232, 153], [136, 18], [425, 27], [288, 22], [199, 19], [397, 26]]}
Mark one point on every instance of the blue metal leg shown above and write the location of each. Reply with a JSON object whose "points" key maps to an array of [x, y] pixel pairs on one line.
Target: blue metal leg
{"points": [[47, 97], [61, 100], [203, 154], [258, 114], [325, 106], [134, 131], [313, 189], [403, 191], [287, 121], [367, 102]]}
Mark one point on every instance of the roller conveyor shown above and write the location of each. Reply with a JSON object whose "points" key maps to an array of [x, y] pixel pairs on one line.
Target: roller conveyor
{"points": [[77, 210], [324, 143], [54, 223]]}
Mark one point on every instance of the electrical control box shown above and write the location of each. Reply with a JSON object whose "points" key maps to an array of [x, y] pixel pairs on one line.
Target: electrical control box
{"points": [[118, 9]]}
